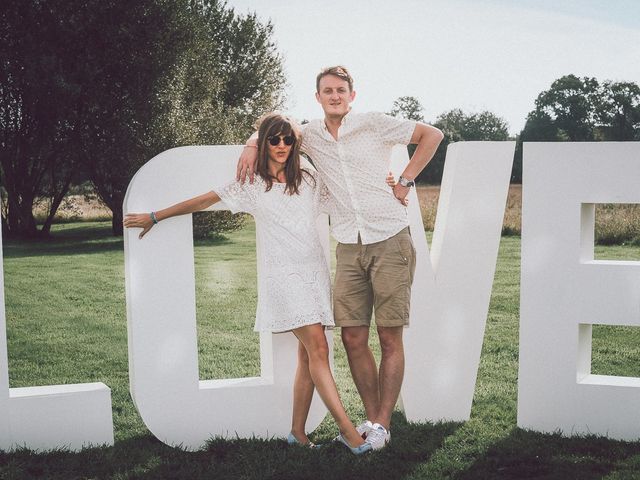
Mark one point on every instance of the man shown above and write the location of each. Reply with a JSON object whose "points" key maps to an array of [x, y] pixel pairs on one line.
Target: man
{"points": [[375, 254]]}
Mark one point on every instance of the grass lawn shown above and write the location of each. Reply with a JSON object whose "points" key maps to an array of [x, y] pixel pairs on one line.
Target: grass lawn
{"points": [[66, 323]]}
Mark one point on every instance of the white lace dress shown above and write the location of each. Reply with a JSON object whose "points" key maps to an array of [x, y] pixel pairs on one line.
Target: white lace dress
{"points": [[294, 285]]}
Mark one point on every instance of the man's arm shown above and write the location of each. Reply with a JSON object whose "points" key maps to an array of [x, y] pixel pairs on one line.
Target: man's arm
{"points": [[247, 161], [427, 138]]}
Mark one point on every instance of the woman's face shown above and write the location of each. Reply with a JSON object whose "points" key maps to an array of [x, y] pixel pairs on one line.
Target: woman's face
{"points": [[279, 153]]}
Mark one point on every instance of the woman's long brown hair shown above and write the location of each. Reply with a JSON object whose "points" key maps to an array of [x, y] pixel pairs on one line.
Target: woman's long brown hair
{"points": [[276, 124]]}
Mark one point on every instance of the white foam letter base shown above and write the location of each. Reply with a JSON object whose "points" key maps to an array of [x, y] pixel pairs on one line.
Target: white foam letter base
{"points": [[175, 405], [50, 417], [452, 286], [564, 290]]}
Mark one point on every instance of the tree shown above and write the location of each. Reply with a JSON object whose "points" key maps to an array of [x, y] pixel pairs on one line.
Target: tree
{"points": [[407, 107], [582, 109], [207, 87], [98, 87], [571, 104], [39, 111], [578, 109], [458, 126], [618, 111], [128, 61]]}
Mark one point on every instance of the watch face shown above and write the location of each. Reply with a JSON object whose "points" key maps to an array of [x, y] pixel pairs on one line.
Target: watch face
{"points": [[405, 183]]}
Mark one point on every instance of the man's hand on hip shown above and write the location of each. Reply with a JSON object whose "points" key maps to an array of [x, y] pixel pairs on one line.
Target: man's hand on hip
{"points": [[401, 193]]}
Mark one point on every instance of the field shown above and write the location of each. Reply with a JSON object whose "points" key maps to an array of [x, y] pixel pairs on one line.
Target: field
{"points": [[66, 323], [615, 224]]}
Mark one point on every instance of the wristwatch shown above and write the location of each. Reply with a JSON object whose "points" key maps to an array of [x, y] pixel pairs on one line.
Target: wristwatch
{"points": [[406, 183]]}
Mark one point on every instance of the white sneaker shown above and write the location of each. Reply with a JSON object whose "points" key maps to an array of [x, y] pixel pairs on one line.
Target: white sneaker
{"points": [[378, 436], [364, 428]]}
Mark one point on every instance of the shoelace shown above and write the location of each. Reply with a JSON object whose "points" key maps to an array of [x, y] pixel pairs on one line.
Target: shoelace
{"points": [[376, 435]]}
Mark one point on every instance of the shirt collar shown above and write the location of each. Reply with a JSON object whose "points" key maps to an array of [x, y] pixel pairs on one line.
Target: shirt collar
{"points": [[344, 120]]}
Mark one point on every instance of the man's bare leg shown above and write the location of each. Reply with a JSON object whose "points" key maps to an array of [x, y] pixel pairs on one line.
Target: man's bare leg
{"points": [[363, 367], [391, 373]]}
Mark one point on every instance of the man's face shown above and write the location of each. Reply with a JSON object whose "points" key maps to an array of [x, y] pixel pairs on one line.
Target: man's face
{"points": [[334, 96]]}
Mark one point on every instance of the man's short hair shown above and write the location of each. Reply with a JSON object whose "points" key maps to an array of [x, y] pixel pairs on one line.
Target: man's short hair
{"points": [[339, 71]]}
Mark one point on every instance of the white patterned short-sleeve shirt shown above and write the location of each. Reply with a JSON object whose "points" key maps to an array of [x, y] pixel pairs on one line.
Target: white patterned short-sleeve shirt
{"points": [[294, 285], [354, 169]]}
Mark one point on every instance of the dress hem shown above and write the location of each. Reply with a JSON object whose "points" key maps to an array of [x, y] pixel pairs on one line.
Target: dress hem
{"points": [[269, 330]]}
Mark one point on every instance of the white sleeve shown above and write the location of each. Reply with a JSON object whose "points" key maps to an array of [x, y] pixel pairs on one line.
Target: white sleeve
{"points": [[238, 197], [392, 130]]}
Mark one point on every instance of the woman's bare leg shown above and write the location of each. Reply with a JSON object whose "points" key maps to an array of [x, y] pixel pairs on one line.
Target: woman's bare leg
{"points": [[315, 343], [302, 394]]}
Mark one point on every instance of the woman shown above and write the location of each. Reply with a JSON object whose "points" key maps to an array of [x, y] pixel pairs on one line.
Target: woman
{"points": [[294, 291]]}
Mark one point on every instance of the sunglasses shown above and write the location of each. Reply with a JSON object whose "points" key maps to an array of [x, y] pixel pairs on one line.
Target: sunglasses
{"points": [[288, 140]]}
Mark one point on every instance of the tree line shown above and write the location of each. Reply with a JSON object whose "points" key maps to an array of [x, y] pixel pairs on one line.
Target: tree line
{"points": [[91, 89], [572, 109], [457, 126]]}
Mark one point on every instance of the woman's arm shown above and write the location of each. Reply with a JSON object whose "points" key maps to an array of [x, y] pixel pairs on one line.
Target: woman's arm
{"points": [[145, 220]]}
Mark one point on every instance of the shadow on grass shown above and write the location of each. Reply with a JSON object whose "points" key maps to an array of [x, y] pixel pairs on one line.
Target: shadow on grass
{"points": [[80, 239], [67, 239], [147, 458], [528, 455], [125, 457]]}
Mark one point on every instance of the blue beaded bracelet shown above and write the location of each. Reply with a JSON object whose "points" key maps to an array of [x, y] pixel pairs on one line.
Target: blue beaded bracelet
{"points": [[153, 217]]}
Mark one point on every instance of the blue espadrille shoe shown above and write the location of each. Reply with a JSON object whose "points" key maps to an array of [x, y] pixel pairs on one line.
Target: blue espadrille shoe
{"points": [[364, 448]]}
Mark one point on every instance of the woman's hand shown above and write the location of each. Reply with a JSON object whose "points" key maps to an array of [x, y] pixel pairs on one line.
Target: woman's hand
{"points": [[138, 220], [392, 183]]}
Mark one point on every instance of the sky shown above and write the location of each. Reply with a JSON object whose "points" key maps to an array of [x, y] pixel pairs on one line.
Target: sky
{"points": [[495, 55]]}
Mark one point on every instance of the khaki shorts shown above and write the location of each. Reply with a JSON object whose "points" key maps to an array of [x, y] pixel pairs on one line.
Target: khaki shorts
{"points": [[375, 277]]}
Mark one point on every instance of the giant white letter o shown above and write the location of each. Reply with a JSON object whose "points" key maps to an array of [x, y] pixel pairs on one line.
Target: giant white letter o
{"points": [[178, 407]]}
